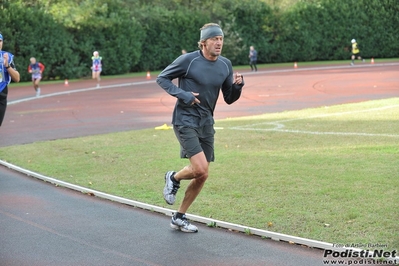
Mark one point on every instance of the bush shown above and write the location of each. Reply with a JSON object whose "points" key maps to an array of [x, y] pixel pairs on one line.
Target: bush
{"points": [[35, 34], [138, 35]]}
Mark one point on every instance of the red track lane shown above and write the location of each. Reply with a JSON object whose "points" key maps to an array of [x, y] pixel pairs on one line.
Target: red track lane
{"points": [[147, 105]]}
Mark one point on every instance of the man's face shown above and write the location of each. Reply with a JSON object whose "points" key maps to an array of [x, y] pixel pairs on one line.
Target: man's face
{"points": [[1, 44], [213, 46]]}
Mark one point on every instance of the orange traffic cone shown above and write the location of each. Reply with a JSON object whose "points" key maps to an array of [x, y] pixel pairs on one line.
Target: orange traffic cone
{"points": [[148, 75], [295, 65], [372, 60], [66, 83]]}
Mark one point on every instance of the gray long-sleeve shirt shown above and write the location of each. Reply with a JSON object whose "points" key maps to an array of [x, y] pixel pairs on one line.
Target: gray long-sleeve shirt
{"points": [[197, 74]]}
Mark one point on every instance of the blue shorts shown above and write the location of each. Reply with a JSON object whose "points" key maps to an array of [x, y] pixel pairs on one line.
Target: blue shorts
{"points": [[195, 140]]}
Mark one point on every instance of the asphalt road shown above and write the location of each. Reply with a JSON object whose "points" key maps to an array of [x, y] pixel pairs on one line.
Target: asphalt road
{"points": [[46, 225]]}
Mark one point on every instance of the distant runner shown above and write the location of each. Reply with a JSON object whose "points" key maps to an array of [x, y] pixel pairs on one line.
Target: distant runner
{"points": [[36, 69]]}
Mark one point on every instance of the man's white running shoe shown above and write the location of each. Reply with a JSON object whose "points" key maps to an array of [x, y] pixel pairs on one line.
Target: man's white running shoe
{"points": [[183, 225], [170, 189]]}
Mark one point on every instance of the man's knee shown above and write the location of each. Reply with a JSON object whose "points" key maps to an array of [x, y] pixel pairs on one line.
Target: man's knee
{"points": [[199, 170], [200, 173]]}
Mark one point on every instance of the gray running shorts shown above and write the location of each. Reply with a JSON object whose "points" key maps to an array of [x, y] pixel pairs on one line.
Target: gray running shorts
{"points": [[195, 140]]}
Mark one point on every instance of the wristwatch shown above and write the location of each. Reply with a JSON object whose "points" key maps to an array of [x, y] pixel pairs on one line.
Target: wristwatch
{"points": [[7, 67]]}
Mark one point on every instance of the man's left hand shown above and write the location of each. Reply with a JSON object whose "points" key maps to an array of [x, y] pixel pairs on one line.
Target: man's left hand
{"points": [[237, 78]]}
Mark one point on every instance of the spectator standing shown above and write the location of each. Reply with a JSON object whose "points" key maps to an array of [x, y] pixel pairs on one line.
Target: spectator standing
{"points": [[253, 58]]}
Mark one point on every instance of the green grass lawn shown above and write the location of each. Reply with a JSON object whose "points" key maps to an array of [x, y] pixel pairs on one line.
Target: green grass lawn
{"points": [[329, 174]]}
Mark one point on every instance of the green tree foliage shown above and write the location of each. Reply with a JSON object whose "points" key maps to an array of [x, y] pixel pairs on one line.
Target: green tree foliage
{"points": [[300, 39], [106, 26], [36, 34], [254, 22], [322, 30], [377, 27], [141, 35], [167, 32]]}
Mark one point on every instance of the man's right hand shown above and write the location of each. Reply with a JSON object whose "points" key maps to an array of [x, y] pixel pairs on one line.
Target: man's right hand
{"points": [[195, 99]]}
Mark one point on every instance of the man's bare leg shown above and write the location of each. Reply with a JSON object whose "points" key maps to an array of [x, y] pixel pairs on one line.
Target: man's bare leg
{"points": [[36, 87], [197, 171]]}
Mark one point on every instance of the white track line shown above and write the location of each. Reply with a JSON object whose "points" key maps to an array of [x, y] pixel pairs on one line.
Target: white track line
{"points": [[321, 68], [79, 90], [279, 125], [276, 94]]}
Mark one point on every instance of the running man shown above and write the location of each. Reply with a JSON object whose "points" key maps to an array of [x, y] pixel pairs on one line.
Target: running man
{"points": [[36, 69], [96, 67], [201, 75], [8, 72], [355, 52]]}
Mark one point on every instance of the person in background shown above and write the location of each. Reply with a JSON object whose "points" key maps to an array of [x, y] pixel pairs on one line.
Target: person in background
{"points": [[96, 67], [253, 57], [201, 75], [355, 52], [36, 69], [183, 51], [8, 72]]}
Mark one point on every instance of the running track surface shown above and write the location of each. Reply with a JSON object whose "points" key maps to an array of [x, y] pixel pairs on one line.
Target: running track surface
{"points": [[120, 108], [44, 225]]}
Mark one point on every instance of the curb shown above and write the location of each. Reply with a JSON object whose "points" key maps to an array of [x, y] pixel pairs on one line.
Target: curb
{"points": [[210, 222]]}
